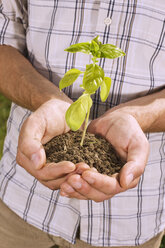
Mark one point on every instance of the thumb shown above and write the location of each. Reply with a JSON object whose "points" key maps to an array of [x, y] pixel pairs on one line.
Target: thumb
{"points": [[135, 166], [93, 126], [130, 174], [29, 144]]}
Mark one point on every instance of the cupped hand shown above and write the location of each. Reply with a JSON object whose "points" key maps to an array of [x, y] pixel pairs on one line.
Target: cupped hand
{"points": [[40, 127], [124, 133]]}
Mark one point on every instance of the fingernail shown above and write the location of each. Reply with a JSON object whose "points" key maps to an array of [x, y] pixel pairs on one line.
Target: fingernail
{"points": [[38, 158], [68, 189], [81, 167], [62, 193], [35, 158], [89, 179], [129, 178], [77, 185]]}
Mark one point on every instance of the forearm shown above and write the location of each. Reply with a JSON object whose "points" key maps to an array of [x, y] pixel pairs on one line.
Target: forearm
{"points": [[22, 84], [149, 111]]}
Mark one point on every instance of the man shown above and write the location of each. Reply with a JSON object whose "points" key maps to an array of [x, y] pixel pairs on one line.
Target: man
{"points": [[46, 204]]}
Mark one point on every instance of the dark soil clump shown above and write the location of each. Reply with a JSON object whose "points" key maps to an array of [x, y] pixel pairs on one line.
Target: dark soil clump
{"points": [[96, 152]]}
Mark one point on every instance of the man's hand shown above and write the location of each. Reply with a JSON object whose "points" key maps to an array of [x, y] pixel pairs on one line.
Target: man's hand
{"points": [[42, 125], [124, 133]]}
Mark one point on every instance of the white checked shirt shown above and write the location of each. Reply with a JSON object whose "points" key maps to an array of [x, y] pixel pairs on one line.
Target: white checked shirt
{"points": [[45, 28]]}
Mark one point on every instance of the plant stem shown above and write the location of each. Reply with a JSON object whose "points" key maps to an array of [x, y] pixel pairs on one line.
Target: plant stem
{"points": [[94, 59], [85, 128]]}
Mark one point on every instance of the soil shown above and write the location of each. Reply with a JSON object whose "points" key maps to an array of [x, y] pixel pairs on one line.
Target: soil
{"points": [[96, 151]]}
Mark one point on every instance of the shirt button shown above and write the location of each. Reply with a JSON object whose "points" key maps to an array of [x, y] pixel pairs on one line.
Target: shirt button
{"points": [[107, 21]]}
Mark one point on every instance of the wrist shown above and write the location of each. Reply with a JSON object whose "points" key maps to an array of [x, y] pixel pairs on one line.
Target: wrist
{"points": [[141, 114], [40, 90], [149, 111]]}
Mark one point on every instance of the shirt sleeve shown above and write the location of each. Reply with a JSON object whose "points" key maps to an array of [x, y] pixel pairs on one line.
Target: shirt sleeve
{"points": [[13, 23]]}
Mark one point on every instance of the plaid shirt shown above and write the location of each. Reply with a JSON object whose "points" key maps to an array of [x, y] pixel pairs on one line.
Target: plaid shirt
{"points": [[44, 28]]}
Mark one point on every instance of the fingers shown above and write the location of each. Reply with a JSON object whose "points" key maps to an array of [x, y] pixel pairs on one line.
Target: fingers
{"points": [[53, 171], [48, 172], [68, 191], [91, 185], [130, 173], [80, 168], [106, 184], [138, 151], [29, 143], [96, 127], [54, 184], [41, 126], [76, 187], [125, 134]]}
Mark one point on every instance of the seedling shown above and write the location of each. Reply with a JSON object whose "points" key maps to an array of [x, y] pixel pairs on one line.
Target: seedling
{"points": [[78, 112]]}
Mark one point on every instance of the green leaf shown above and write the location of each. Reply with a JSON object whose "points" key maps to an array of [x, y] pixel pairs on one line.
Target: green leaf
{"points": [[93, 78], [80, 47], [69, 78], [86, 101], [110, 51], [94, 48], [105, 88], [76, 113], [97, 40]]}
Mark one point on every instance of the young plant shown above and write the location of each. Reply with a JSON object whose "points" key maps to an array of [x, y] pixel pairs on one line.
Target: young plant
{"points": [[93, 78]]}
